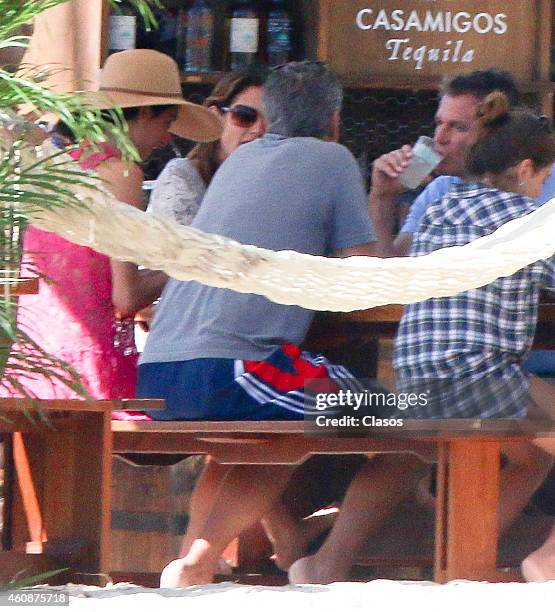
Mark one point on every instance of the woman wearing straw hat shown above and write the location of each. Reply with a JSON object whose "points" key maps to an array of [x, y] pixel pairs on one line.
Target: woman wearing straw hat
{"points": [[83, 315]]}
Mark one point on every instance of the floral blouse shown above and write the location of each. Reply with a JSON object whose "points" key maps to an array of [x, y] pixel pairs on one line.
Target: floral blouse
{"points": [[178, 191]]}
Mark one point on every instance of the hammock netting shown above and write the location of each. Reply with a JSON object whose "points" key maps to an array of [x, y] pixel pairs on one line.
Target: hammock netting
{"points": [[286, 277]]}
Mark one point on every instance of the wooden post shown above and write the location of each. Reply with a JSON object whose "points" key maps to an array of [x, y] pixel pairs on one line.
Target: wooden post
{"points": [[472, 510], [543, 51]]}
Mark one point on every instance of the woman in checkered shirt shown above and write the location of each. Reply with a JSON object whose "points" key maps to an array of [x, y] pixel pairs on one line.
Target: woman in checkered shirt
{"points": [[466, 352]]}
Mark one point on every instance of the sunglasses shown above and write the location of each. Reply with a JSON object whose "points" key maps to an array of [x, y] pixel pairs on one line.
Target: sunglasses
{"points": [[241, 115]]}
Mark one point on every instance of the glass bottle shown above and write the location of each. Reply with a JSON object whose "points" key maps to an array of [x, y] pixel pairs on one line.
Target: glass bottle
{"points": [[123, 339], [123, 29], [181, 37], [279, 34], [199, 36], [243, 35]]}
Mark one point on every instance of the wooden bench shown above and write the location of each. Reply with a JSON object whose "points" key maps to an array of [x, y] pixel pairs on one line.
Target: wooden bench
{"points": [[466, 513], [466, 521], [57, 485]]}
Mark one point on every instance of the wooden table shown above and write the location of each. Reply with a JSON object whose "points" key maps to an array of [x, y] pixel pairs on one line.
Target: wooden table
{"points": [[468, 468], [58, 485], [60, 492], [468, 453], [382, 322], [466, 526]]}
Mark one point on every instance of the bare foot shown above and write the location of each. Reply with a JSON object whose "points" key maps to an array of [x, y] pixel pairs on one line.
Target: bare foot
{"points": [[286, 551], [181, 573], [291, 539], [309, 571], [539, 566]]}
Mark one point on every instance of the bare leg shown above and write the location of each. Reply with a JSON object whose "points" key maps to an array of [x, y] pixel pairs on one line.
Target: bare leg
{"points": [[290, 537], [374, 492], [539, 566], [202, 500], [247, 493], [543, 395], [383, 483]]}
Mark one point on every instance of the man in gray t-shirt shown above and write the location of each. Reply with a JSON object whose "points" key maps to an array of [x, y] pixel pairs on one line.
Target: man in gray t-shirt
{"points": [[281, 193], [295, 189], [217, 354]]}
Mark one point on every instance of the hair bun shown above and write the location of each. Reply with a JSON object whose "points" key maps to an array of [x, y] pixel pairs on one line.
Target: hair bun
{"points": [[494, 107]]}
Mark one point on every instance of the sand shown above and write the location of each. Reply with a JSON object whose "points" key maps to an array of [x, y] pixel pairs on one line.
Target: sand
{"points": [[378, 595]]}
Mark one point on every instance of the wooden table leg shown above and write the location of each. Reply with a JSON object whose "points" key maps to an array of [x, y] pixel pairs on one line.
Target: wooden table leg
{"points": [[468, 500], [67, 471], [30, 535]]}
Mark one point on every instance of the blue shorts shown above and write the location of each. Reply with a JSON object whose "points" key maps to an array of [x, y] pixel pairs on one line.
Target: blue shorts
{"points": [[541, 363], [239, 390]]}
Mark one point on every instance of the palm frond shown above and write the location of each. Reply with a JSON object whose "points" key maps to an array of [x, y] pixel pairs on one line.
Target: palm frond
{"points": [[44, 183], [17, 13], [144, 9]]}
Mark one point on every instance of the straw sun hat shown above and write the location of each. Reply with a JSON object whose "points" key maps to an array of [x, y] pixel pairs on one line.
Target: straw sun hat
{"points": [[144, 77]]}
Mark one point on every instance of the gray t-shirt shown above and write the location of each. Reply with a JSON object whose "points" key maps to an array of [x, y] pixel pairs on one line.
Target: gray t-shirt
{"points": [[300, 194]]}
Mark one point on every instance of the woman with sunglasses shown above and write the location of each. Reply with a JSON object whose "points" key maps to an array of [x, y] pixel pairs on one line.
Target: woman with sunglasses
{"points": [[237, 99]]}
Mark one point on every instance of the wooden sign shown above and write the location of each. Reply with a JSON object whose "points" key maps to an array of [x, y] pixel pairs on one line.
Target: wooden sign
{"points": [[362, 39]]}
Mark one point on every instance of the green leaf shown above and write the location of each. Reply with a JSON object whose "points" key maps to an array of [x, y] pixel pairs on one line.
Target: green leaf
{"points": [[19, 583], [44, 183]]}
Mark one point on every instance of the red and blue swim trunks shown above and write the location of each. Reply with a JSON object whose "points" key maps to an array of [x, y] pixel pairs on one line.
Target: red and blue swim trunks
{"points": [[238, 390]]}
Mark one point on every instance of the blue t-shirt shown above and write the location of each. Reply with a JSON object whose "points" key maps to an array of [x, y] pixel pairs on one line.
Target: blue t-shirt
{"points": [[299, 194], [442, 185]]}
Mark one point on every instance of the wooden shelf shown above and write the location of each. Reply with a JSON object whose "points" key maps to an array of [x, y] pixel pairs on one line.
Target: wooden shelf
{"points": [[210, 78], [377, 82], [20, 286]]}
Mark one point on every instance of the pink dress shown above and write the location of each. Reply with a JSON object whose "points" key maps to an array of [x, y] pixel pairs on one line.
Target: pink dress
{"points": [[72, 317]]}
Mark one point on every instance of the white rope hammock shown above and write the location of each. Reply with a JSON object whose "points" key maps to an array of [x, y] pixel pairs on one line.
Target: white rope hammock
{"points": [[287, 277]]}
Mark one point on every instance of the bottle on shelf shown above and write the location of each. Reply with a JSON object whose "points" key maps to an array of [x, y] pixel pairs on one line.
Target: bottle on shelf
{"points": [[123, 29], [199, 34], [167, 40], [181, 37], [278, 34], [243, 34], [161, 37]]}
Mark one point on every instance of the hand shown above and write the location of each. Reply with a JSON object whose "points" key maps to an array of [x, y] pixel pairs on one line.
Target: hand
{"points": [[144, 317], [386, 170]]}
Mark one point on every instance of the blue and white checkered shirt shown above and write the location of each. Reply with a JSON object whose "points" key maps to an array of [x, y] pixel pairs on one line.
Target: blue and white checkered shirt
{"points": [[477, 339]]}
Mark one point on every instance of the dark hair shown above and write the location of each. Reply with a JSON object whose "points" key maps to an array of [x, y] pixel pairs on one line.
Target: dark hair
{"points": [[480, 83], [502, 138], [66, 136], [133, 111], [300, 99], [205, 154]]}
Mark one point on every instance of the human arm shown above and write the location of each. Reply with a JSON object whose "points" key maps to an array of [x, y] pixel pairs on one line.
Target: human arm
{"points": [[434, 191], [366, 250], [132, 289], [382, 200], [352, 233]]}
